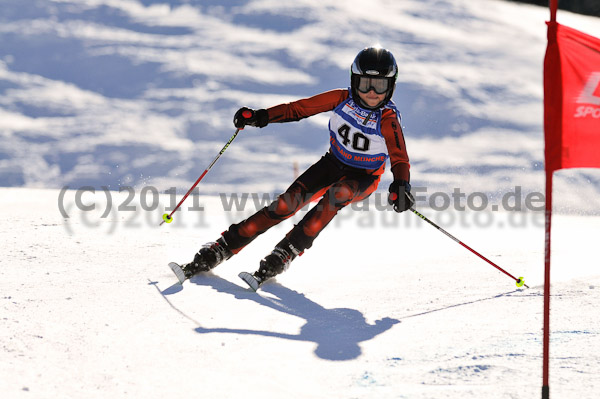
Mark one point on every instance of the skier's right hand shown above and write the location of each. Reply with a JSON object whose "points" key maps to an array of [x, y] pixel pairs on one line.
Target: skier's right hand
{"points": [[249, 117]]}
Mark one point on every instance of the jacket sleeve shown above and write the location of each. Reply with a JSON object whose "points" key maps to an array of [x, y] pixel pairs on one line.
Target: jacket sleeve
{"points": [[394, 139], [296, 110]]}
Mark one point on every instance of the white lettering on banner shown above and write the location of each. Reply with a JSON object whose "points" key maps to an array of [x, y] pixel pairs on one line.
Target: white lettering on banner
{"points": [[583, 111], [589, 95]]}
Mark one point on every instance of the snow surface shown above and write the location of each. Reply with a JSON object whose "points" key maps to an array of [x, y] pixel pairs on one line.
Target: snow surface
{"points": [[119, 93], [382, 306], [136, 93]]}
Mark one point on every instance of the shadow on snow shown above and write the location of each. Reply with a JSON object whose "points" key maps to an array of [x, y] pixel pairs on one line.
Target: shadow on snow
{"points": [[337, 332]]}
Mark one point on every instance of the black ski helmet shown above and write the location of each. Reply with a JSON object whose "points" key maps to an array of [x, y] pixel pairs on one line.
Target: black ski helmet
{"points": [[374, 62]]}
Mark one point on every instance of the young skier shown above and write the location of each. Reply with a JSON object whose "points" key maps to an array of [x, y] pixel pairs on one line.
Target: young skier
{"points": [[364, 131]]}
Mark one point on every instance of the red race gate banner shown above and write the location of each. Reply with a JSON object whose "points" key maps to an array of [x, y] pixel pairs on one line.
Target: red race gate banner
{"points": [[571, 126], [572, 99]]}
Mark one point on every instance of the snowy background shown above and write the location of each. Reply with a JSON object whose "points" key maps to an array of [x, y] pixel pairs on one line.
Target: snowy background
{"points": [[138, 93], [125, 93]]}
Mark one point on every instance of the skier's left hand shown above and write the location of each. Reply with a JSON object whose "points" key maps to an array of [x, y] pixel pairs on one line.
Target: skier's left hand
{"points": [[400, 197]]}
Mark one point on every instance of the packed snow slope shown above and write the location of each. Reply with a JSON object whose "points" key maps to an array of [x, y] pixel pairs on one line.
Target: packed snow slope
{"points": [[383, 306], [137, 93]]}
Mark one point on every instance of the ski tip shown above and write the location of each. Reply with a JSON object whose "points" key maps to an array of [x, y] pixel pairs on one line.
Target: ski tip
{"points": [[249, 279], [178, 271]]}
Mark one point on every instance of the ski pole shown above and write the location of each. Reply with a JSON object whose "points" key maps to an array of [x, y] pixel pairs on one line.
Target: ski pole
{"points": [[168, 218], [519, 281]]}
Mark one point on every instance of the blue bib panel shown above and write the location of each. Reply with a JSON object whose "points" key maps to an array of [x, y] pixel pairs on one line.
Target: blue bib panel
{"points": [[354, 142]]}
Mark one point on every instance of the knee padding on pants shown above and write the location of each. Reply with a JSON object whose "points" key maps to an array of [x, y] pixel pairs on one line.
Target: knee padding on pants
{"points": [[287, 204], [342, 193]]}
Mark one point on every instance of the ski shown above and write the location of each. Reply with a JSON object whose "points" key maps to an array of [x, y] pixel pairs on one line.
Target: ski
{"points": [[249, 279], [178, 272]]}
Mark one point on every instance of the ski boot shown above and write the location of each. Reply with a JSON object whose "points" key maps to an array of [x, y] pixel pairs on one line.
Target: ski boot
{"points": [[276, 262], [208, 257]]}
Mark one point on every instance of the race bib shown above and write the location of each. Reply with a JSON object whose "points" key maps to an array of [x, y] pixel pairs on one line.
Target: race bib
{"points": [[355, 136]]}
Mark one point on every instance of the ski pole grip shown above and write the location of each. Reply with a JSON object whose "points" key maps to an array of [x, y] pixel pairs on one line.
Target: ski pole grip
{"points": [[247, 114], [393, 196]]}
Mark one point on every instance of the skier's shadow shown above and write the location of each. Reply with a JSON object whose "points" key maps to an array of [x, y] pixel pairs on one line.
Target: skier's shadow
{"points": [[337, 332]]}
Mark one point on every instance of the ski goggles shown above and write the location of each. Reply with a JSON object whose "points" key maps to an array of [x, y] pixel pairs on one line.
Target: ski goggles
{"points": [[380, 85]]}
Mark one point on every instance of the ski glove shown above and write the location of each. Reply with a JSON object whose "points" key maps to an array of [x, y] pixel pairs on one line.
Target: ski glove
{"points": [[249, 117], [400, 197]]}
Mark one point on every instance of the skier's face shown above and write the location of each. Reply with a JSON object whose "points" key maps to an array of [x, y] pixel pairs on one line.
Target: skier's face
{"points": [[371, 98]]}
